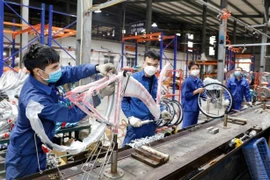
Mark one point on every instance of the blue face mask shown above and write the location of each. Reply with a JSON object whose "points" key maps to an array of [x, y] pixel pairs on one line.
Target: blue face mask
{"points": [[54, 76], [237, 73]]}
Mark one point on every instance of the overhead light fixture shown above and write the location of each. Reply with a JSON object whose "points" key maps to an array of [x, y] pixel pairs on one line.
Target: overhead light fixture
{"points": [[178, 34], [97, 11], [154, 24]]}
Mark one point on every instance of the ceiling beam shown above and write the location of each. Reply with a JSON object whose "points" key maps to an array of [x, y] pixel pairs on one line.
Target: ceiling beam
{"points": [[239, 10], [252, 7]]}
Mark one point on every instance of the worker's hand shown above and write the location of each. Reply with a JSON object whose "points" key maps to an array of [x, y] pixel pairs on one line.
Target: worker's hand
{"points": [[226, 102], [199, 90], [106, 68], [135, 122], [166, 115], [107, 91], [250, 104]]}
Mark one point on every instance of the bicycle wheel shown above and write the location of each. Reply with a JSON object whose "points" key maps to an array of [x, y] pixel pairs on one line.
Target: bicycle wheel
{"points": [[168, 107], [211, 101], [178, 113]]}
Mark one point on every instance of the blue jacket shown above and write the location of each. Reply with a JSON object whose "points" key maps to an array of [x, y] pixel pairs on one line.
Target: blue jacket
{"points": [[239, 89], [22, 135], [135, 107], [190, 101]]}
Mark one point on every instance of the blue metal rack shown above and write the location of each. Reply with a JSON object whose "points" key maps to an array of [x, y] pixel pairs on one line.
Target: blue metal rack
{"points": [[50, 33], [14, 53]]}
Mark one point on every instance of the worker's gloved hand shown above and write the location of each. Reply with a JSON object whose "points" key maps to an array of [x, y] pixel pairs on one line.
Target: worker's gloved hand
{"points": [[166, 115], [199, 90], [107, 91], [250, 104], [106, 68], [226, 102], [135, 122]]}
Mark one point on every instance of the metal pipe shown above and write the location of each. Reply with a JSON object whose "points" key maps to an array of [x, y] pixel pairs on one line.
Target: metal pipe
{"points": [[239, 45], [222, 43], [65, 14], [233, 18], [31, 42], [50, 25], [21, 17], [204, 19], [42, 34], [71, 24], [24, 37], [174, 64], [114, 155], [123, 51], [64, 49], [13, 44], [22, 5], [187, 52], [225, 122], [148, 21], [161, 49], [259, 25], [136, 53], [1, 37]]}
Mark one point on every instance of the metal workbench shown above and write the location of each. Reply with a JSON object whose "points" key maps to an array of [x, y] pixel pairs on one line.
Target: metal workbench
{"points": [[189, 150]]}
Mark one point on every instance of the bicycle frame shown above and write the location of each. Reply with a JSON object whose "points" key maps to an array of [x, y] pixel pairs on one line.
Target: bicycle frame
{"points": [[125, 85]]}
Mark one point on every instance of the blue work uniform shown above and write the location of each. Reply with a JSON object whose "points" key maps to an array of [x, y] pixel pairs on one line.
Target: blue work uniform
{"points": [[190, 101], [21, 157], [132, 106], [239, 90]]}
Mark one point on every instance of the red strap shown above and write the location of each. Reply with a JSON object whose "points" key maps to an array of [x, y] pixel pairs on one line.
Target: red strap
{"points": [[45, 148]]}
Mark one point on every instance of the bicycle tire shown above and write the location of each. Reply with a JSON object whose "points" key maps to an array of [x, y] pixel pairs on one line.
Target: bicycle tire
{"points": [[216, 101]]}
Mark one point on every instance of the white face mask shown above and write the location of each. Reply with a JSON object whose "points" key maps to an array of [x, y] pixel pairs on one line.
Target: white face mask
{"points": [[150, 70], [195, 72]]}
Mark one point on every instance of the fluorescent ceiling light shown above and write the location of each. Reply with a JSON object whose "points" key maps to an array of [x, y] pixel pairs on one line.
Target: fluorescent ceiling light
{"points": [[154, 24], [97, 11]]}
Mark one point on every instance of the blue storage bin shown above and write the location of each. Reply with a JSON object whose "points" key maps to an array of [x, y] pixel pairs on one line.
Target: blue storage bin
{"points": [[257, 157]]}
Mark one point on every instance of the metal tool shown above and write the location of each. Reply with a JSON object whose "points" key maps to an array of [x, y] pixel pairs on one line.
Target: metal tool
{"points": [[236, 120], [150, 156]]}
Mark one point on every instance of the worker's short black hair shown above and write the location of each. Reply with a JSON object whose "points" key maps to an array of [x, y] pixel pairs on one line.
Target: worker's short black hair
{"points": [[192, 63], [152, 54], [40, 56], [239, 68]]}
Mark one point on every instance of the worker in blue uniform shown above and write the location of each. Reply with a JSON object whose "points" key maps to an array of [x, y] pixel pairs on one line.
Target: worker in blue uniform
{"points": [[134, 109], [24, 155], [239, 88], [191, 88]]}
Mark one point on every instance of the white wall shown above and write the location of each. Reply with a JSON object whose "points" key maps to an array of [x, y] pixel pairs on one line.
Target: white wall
{"points": [[101, 49]]}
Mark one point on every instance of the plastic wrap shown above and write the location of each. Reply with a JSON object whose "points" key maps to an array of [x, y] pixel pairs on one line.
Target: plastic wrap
{"points": [[34, 108], [211, 87], [8, 115], [136, 89]]}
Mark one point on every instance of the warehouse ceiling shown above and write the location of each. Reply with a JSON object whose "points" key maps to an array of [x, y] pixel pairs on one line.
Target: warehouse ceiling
{"points": [[171, 16]]}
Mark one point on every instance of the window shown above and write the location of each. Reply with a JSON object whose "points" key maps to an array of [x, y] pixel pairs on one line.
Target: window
{"points": [[212, 42], [244, 63], [108, 59], [130, 61], [190, 43]]}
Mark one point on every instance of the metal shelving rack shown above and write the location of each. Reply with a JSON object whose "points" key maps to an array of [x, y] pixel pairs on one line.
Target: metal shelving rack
{"points": [[38, 29]]}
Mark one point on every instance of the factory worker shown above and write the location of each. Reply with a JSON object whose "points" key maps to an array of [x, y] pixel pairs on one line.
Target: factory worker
{"points": [[24, 154], [191, 88], [239, 88], [134, 109]]}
